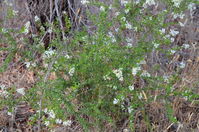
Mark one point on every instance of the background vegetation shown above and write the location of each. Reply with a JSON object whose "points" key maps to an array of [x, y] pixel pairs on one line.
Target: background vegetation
{"points": [[114, 65]]}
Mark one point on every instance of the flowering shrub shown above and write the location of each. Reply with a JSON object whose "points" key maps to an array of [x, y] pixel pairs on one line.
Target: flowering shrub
{"points": [[109, 74]]}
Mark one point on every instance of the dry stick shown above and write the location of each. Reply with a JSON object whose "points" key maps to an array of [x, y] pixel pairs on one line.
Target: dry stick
{"points": [[11, 123], [51, 14], [44, 90], [59, 18], [70, 13], [76, 16]]}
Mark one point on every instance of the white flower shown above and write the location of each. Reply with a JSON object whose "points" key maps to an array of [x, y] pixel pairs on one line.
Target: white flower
{"points": [[145, 74], [163, 31], [178, 15], [135, 70], [112, 37], [125, 130], [140, 96], [166, 78], [42, 28], [131, 88], [135, 29], [4, 93], [47, 123], [71, 71], [118, 73], [129, 40], [191, 7], [126, 11], [181, 24], [34, 64], [102, 8], [130, 109], [115, 87], [174, 32], [50, 30], [177, 2], [9, 113], [64, 12], [117, 14], [106, 77], [136, 1], [45, 110], [51, 114], [168, 36], [129, 45], [27, 64], [172, 39], [58, 121], [15, 12], [124, 2], [149, 3], [116, 29], [121, 79], [186, 46], [182, 65], [21, 91], [67, 123], [172, 51], [115, 101], [67, 56], [48, 53], [123, 19], [27, 26], [156, 45], [4, 30], [110, 7], [84, 2], [36, 18], [8, 3], [128, 25], [2, 87]]}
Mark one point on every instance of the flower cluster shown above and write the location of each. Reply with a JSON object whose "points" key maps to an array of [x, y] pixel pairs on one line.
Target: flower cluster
{"points": [[145, 74], [26, 27], [135, 70], [124, 2], [84, 2], [177, 2], [51, 115], [3, 91], [102, 8], [21, 91], [106, 77], [15, 12], [115, 101], [149, 3], [118, 73], [185, 46], [131, 88], [71, 71], [182, 65], [48, 53], [37, 18], [112, 37]]}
